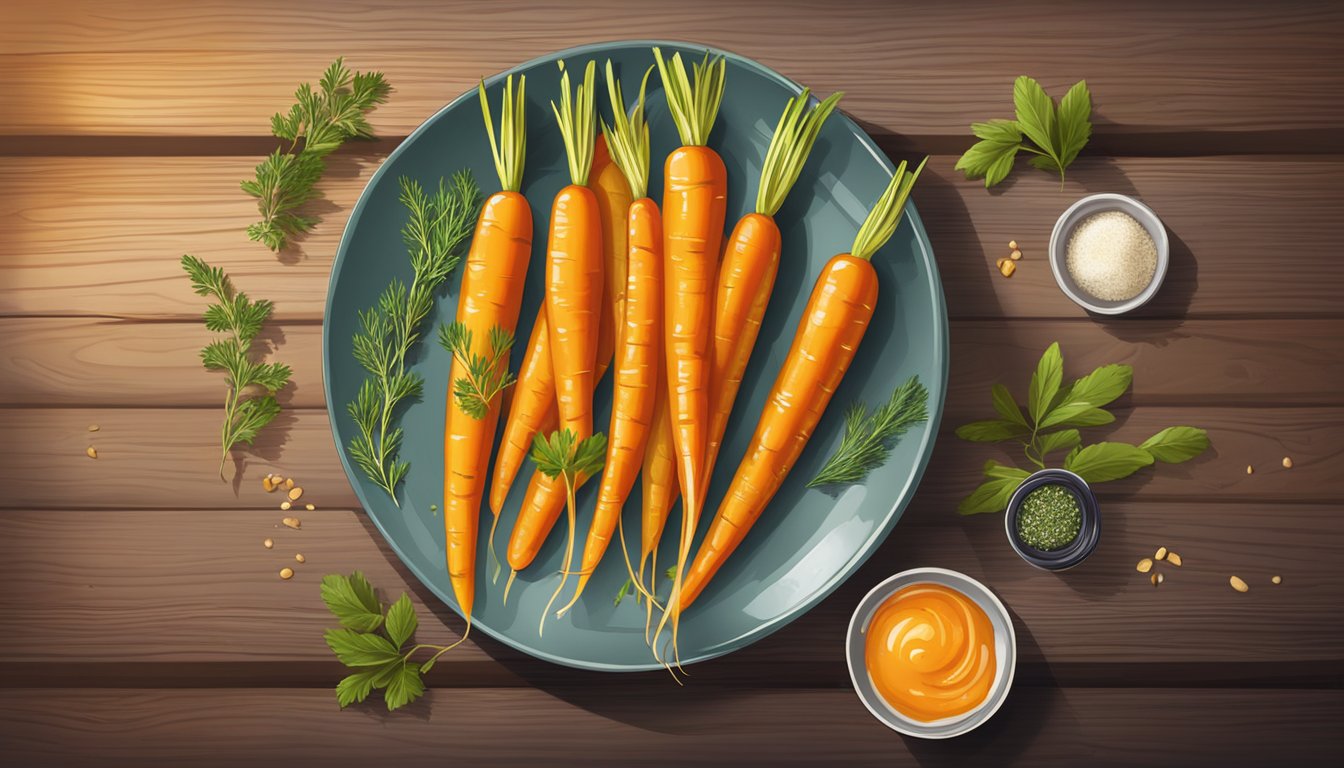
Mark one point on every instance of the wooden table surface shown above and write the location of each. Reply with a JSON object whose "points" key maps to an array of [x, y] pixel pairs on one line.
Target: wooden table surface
{"points": [[144, 624]]}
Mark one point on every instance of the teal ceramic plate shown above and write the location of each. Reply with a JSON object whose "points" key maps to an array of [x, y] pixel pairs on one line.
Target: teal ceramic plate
{"points": [[809, 541]]}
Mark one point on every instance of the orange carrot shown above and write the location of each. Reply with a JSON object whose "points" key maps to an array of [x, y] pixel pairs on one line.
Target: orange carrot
{"points": [[640, 334], [491, 295], [751, 261], [661, 487], [613, 200], [828, 334], [695, 191], [574, 276]]}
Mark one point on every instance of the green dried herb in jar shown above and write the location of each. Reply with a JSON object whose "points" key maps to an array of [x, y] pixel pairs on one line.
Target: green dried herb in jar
{"points": [[1049, 518]]}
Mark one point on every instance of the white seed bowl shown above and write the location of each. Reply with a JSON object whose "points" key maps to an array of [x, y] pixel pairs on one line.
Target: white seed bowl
{"points": [[1059, 245], [1005, 654]]}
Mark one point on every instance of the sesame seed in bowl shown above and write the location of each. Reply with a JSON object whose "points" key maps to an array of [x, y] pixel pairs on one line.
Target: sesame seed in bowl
{"points": [[1109, 253]]}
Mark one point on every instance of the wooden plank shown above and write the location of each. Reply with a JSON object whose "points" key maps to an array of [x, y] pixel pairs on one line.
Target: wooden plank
{"points": [[196, 591], [101, 236], [122, 68], [589, 725], [91, 362], [164, 458]]}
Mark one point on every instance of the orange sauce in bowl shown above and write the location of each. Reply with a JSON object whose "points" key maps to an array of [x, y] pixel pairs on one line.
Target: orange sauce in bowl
{"points": [[929, 650]]}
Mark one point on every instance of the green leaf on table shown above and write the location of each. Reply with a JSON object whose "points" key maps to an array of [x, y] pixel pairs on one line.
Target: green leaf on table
{"points": [[360, 649], [991, 157], [1045, 383], [354, 688], [404, 687], [1004, 472], [1103, 462], [1006, 406], [1075, 122], [992, 431], [991, 496], [1058, 441], [1091, 417], [352, 600], [1102, 386], [1174, 445], [401, 621], [1035, 113]]}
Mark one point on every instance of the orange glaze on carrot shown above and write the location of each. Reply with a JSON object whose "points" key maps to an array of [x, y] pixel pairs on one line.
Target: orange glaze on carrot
{"points": [[929, 651]]}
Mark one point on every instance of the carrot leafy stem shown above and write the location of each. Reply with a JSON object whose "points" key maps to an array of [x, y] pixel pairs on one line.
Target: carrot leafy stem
{"points": [[437, 227], [510, 150], [628, 135], [867, 436], [487, 374], [881, 222], [322, 119], [693, 101], [245, 412], [577, 117], [789, 147]]}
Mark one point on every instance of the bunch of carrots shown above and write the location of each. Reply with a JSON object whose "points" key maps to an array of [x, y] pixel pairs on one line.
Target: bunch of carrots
{"points": [[663, 299]]}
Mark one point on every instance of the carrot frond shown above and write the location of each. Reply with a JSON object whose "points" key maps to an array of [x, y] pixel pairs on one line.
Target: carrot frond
{"points": [[578, 122], [628, 139], [694, 102], [881, 223], [789, 148], [511, 148]]}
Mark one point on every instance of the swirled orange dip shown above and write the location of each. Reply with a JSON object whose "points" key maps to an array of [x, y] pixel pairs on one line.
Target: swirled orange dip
{"points": [[929, 650]]}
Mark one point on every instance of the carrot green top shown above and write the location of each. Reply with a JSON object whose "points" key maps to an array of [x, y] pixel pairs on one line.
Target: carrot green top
{"points": [[881, 223], [511, 149], [628, 139], [789, 148], [578, 123], [693, 106]]}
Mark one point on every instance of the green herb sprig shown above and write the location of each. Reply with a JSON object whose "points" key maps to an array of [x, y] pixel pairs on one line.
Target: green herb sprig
{"points": [[487, 374], [629, 584], [437, 228], [1055, 413], [563, 456], [245, 411], [1056, 133], [323, 119], [372, 643], [865, 445]]}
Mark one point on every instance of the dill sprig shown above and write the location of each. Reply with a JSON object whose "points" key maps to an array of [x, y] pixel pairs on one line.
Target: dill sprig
{"points": [[437, 227], [323, 118], [487, 374], [245, 412], [864, 446]]}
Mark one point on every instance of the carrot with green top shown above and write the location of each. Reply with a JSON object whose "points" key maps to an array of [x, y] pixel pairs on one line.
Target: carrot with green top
{"points": [[828, 335], [751, 261], [695, 191], [640, 334], [487, 314]]}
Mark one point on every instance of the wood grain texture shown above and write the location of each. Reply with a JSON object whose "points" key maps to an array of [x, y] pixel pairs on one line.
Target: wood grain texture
{"points": [[217, 68], [92, 362], [102, 237], [163, 458], [109, 581], [583, 726]]}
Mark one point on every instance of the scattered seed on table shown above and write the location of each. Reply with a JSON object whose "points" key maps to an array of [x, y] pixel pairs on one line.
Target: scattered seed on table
{"points": [[1015, 255], [268, 544], [1153, 578], [1238, 584], [292, 522], [92, 452], [299, 558], [289, 483], [93, 427], [1161, 554], [1007, 268], [1250, 470], [267, 485], [1160, 577], [295, 493], [309, 507], [1276, 580], [1287, 463], [1145, 565], [284, 506], [1174, 559], [286, 573], [1012, 245]]}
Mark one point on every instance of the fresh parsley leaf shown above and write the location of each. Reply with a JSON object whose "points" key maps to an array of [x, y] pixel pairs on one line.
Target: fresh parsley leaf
{"points": [[1058, 441], [991, 496], [352, 601], [992, 431], [1102, 462], [404, 687], [1056, 134], [354, 688], [486, 372], [245, 412], [1002, 471], [1174, 445], [864, 445], [401, 621], [557, 455], [1006, 406], [361, 649], [1100, 387], [1093, 417], [1045, 382]]}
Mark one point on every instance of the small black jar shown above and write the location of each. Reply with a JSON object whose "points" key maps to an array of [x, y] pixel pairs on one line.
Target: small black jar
{"points": [[1089, 532]]}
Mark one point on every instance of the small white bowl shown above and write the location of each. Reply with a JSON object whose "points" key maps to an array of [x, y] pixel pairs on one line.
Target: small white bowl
{"points": [[1005, 654], [1059, 244]]}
